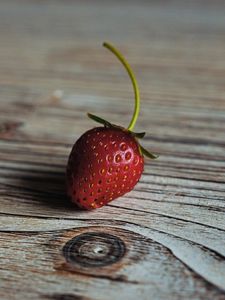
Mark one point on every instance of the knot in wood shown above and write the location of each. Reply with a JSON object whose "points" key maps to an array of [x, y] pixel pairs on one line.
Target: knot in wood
{"points": [[94, 249]]}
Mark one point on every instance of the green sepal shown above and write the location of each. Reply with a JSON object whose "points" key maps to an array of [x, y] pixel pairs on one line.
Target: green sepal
{"points": [[99, 120], [147, 153], [95, 118], [138, 135]]}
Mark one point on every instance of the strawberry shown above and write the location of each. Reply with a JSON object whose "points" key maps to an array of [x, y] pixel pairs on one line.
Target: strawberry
{"points": [[106, 162]]}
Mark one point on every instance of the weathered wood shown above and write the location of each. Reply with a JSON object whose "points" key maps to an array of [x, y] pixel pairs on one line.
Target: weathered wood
{"points": [[165, 239]]}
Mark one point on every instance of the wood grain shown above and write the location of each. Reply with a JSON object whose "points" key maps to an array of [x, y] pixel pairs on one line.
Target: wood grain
{"points": [[166, 238]]}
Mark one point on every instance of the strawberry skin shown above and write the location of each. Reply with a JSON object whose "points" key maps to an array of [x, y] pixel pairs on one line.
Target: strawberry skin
{"points": [[104, 164]]}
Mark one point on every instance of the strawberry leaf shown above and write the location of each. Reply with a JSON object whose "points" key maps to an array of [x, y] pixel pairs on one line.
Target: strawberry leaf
{"points": [[138, 135], [99, 120], [147, 153]]}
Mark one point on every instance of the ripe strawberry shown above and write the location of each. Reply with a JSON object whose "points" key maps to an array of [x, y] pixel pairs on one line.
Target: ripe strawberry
{"points": [[106, 162]]}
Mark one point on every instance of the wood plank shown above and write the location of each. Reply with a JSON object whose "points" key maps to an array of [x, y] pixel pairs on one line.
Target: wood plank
{"points": [[166, 238]]}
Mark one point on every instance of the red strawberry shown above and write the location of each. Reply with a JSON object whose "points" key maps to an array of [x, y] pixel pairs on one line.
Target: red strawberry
{"points": [[106, 162]]}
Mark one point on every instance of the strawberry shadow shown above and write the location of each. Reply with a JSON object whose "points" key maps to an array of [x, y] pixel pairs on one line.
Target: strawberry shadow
{"points": [[47, 187]]}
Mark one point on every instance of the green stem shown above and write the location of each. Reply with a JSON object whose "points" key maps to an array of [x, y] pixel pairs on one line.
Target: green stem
{"points": [[134, 82]]}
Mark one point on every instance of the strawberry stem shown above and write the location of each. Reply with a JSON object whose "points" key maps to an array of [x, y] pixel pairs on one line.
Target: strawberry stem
{"points": [[133, 80]]}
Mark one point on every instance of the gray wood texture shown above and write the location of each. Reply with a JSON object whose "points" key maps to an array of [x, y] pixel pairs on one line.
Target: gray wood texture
{"points": [[166, 238]]}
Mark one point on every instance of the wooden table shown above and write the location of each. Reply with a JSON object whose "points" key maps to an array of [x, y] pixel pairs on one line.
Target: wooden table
{"points": [[166, 238]]}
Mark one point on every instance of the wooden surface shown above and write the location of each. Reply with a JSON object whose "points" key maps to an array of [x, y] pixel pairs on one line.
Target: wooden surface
{"points": [[165, 239]]}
